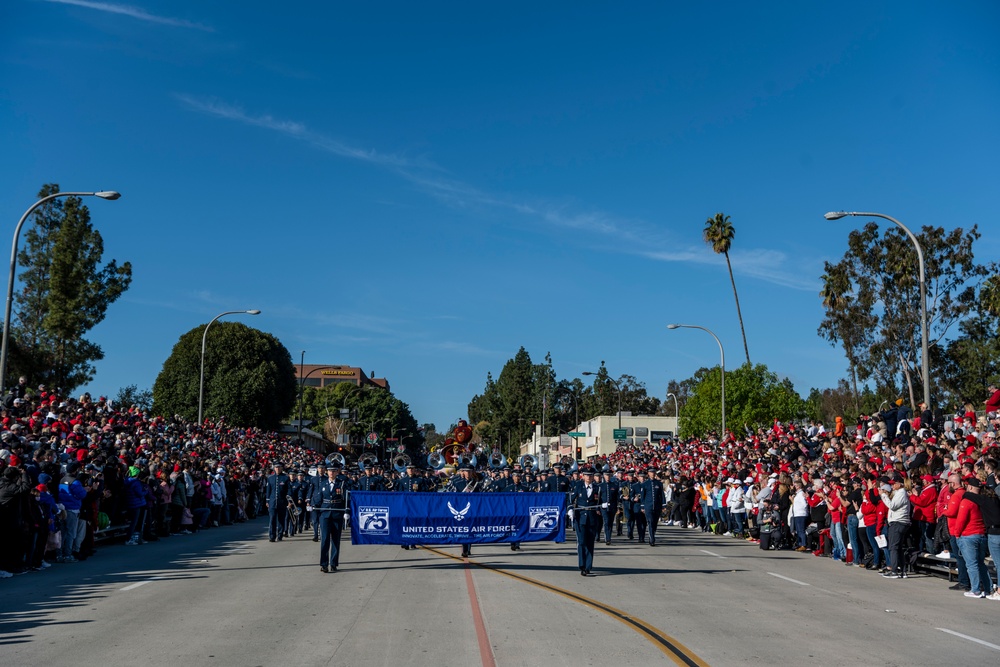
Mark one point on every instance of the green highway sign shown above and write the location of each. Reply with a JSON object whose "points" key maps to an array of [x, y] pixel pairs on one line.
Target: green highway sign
{"points": [[577, 434], [619, 434]]}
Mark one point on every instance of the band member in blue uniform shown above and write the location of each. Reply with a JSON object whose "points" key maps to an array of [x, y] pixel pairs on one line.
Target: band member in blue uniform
{"points": [[610, 490], [276, 497], [586, 501], [316, 481], [515, 485], [557, 481], [651, 495], [635, 491], [329, 502], [466, 481]]}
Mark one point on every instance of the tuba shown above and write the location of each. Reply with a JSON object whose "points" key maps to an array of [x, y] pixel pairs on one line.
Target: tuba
{"points": [[400, 462], [497, 460], [529, 462], [337, 458], [437, 460], [367, 460], [569, 463]]}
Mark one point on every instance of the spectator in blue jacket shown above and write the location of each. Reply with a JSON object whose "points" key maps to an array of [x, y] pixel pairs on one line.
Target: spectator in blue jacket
{"points": [[71, 495], [135, 503]]}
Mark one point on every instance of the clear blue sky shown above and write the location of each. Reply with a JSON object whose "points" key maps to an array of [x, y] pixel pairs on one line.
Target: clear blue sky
{"points": [[421, 188]]}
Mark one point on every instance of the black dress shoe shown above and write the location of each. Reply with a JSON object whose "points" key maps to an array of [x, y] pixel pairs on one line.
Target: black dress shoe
{"points": [[270, 539], [322, 568], [608, 542], [315, 539], [587, 571], [333, 569], [583, 573], [513, 547]]}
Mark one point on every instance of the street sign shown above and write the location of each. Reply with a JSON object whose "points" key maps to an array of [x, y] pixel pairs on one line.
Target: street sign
{"points": [[577, 434], [372, 438], [619, 434]]}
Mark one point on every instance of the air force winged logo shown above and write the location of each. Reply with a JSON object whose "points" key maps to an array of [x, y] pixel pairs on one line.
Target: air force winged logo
{"points": [[459, 514]]}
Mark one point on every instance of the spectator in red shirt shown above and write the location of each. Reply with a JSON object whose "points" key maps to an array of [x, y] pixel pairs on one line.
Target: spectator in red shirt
{"points": [[971, 532]]}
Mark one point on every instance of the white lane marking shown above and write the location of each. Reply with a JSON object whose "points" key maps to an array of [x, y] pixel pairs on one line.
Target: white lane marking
{"points": [[135, 585], [971, 639], [794, 581], [140, 583], [711, 553]]}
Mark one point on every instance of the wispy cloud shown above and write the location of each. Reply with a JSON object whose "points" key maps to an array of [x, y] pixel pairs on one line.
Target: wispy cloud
{"points": [[133, 12], [633, 237], [298, 131]]}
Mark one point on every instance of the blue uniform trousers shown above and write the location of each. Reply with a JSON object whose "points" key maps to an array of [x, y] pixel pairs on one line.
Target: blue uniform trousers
{"points": [[331, 526]]}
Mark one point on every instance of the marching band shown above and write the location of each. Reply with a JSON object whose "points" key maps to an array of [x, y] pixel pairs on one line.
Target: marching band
{"points": [[599, 501]]}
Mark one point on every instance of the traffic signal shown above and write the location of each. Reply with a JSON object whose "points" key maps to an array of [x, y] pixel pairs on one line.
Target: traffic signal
{"points": [[579, 453], [534, 423]]}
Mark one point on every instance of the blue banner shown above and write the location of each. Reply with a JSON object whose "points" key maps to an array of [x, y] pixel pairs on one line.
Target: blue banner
{"points": [[456, 518]]}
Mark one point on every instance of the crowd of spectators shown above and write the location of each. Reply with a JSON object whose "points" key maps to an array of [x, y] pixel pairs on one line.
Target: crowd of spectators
{"points": [[73, 468], [893, 487]]}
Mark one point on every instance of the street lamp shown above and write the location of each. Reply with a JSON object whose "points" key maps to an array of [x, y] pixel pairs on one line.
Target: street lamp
{"points": [[110, 195], [722, 354], [619, 388], [677, 410], [925, 353], [204, 336]]}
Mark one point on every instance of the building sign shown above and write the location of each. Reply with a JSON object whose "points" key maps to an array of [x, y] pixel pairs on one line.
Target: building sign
{"points": [[337, 372]]}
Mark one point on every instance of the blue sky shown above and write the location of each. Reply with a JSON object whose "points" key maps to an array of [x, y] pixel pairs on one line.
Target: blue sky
{"points": [[420, 189]]}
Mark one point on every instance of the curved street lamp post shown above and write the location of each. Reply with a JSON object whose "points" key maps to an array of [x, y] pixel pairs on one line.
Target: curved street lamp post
{"points": [[110, 195], [204, 336], [619, 388], [924, 351], [722, 355]]}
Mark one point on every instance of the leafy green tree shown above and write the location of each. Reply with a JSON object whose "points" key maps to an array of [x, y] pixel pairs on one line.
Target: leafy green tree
{"points": [[719, 233], [132, 395], [249, 377], [877, 283], [990, 291], [970, 362], [754, 398], [825, 405], [65, 292]]}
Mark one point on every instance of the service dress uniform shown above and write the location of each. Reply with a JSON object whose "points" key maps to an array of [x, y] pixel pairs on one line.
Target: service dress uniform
{"points": [[276, 489], [651, 495], [586, 501], [329, 502], [515, 485], [635, 491], [609, 487]]}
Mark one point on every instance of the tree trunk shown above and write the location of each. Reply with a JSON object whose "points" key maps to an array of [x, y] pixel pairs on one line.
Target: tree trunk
{"points": [[746, 350]]}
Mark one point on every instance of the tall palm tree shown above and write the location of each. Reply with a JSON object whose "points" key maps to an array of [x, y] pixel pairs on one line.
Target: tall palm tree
{"points": [[719, 233]]}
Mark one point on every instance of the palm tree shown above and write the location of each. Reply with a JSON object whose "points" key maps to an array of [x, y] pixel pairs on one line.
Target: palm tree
{"points": [[719, 233]]}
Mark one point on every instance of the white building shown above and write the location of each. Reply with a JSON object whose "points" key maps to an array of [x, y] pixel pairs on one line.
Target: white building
{"points": [[598, 437]]}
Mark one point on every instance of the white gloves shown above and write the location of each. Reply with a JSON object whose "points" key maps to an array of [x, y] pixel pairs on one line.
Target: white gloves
{"points": [[604, 506], [309, 508], [569, 514]]}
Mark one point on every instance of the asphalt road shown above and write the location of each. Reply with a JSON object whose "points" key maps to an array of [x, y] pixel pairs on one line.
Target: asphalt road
{"points": [[229, 597]]}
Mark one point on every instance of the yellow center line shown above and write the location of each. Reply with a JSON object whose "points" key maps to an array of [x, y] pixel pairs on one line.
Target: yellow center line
{"points": [[669, 646]]}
